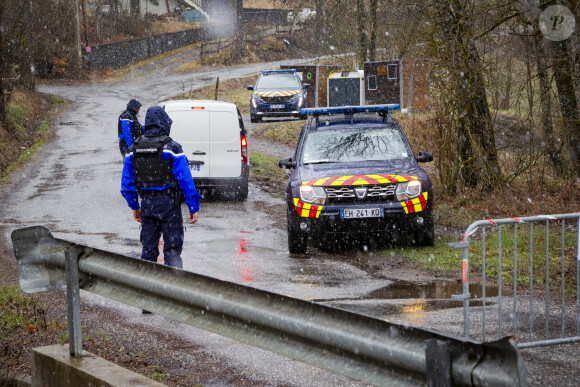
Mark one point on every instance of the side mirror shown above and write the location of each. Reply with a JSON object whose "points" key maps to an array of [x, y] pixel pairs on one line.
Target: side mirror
{"points": [[306, 85], [286, 163], [250, 87], [425, 157]]}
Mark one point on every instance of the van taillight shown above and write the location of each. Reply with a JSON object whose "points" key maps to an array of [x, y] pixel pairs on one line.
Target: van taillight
{"points": [[244, 149]]}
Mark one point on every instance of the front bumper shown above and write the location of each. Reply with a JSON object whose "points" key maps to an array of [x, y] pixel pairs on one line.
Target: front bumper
{"points": [[264, 110], [328, 220]]}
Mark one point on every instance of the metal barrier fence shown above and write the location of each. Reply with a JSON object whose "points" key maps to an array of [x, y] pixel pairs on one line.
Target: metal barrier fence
{"points": [[360, 347], [540, 302]]}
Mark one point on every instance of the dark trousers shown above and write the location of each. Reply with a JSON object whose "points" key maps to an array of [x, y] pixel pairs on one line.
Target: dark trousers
{"points": [[123, 148], [160, 215]]}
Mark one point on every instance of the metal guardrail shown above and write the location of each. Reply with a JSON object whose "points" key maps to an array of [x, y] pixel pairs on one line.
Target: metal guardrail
{"points": [[360, 347], [517, 325]]}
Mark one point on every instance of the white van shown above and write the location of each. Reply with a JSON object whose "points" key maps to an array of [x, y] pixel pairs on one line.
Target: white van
{"points": [[214, 140]]}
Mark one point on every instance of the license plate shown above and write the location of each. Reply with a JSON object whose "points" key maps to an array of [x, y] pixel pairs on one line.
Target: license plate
{"points": [[361, 213], [277, 106]]}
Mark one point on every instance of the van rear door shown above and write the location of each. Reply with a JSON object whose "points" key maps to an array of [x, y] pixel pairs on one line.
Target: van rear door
{"points": [[225, 148], [190, 128]]}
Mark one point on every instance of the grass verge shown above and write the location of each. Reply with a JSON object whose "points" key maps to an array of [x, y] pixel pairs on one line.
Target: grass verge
{"points": [[265, 170], [21, 314], [29, 117], [232, 90]]}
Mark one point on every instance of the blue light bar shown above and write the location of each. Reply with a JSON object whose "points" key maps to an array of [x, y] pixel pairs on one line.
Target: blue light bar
{"points": [[351, 109], [278, 71]]}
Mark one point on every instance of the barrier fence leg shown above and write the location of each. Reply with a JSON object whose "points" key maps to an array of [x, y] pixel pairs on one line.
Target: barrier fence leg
{"points": [[466, 296], [438, 363], [73, 301]]}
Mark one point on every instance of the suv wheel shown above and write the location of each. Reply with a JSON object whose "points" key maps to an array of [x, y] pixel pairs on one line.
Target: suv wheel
{"points": [[255, 119], [297, 240], [425, 236]]}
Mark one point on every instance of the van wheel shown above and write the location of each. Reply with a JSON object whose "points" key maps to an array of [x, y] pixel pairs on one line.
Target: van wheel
{"points": [[242, 192], [297, 240], [255, 119]]}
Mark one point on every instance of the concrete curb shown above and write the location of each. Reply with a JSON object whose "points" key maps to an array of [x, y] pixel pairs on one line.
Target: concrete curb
{"points": [[53, 366]]}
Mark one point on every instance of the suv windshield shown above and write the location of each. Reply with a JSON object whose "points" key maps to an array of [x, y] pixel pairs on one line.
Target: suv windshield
{"points": [[278, 82], [329, 146]]}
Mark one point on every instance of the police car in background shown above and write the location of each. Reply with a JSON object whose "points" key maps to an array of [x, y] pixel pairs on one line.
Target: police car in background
{"points": [[277, 93], [354, 172]]}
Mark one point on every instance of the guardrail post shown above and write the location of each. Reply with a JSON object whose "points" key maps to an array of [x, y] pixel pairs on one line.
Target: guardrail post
{"points": [[73, 301], [438, 362]]}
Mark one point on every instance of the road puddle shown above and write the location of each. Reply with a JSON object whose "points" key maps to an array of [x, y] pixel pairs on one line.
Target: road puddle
{"points": [[439, 289], [412, 298]]}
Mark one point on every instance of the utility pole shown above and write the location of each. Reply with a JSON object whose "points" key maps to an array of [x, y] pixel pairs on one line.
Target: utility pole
{"points": [[77, 54]]}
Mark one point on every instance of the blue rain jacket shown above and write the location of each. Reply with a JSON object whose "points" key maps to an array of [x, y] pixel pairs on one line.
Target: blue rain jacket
{"points": [[126, 121], [158, 123]]}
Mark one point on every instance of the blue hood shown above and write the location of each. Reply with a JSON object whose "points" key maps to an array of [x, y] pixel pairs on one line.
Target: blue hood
{"points": [[133, 105], [157, 122]]}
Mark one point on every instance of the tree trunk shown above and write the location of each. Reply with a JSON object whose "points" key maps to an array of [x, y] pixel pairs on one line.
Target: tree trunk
{"points": [[2, 85], [362, 37], [239, 29], [547, 128], [27, 70], [135, 9], [320, 23], [568, 102], [475, 133], [373, 40]]}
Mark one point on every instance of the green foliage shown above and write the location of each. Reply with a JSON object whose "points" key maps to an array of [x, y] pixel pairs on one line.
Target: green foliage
{"points": [[233, 91], [19, 313], [283, 132], [438, 257], [265, 167], [17, 118], [443, 257]]}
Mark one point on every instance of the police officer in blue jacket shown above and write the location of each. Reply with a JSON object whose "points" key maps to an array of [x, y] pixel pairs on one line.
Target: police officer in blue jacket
{"points": [[128, 127], [156, 169]]}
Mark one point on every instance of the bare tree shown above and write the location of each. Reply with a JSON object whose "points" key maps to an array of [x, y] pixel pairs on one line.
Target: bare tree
{"points": [[2, 85], [568, 102], [320, 22], [374, 26], [475, 132], [362, 36], [239, 34], [135, 8]]}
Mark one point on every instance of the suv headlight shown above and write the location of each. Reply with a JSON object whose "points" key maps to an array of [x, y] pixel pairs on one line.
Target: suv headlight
{"points": [[299, 102], [254, 101], [408, 191], [314, 195]]}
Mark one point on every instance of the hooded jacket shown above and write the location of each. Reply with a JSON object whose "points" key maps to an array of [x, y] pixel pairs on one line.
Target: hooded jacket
{"points": [[158, 123], [129, 127]]}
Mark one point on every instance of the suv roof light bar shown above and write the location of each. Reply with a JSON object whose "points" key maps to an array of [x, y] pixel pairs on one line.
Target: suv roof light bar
{"points": [[351, 109], [278, 71]]}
